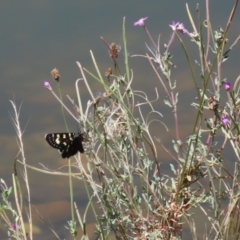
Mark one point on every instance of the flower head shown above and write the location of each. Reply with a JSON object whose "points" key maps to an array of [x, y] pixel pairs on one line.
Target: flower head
{"points": [[140, 22], [55, 74], [227, 86], [14, 226], [213, 103], [225, 120], [173, 26], [108, 73], [47, 85], [114, 50], [179, 27]]}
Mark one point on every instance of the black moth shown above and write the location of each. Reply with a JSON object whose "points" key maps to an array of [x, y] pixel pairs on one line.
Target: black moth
{"points": [[68, 144]]}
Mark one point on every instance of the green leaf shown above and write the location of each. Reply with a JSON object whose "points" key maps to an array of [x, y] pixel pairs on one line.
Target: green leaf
{"points": [[168, 103]]}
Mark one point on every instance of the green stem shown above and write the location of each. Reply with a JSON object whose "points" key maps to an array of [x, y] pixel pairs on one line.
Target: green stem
{"points": [[71, 189]]}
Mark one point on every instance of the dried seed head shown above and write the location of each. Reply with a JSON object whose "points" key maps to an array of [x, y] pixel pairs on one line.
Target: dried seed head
{"points": [[114, 50], [212, 103], [55, 74], [108, 73], [107, 94]]}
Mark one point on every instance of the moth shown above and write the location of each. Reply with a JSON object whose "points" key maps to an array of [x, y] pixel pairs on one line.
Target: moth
{"points": [[68, 144]]}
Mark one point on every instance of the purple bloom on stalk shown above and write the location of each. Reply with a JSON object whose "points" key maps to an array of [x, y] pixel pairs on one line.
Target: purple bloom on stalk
{"points": [[140, 22], [173, 26], [47, 85], [14, 226], [227, 86], [179, 27], [224, 120]]}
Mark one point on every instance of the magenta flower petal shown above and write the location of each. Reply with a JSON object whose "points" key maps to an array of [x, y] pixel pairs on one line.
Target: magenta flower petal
{"points": [[140, 22], [47, 85], [227, 86], [14, 226], [174, 25], [225, 121], [179, 27]]}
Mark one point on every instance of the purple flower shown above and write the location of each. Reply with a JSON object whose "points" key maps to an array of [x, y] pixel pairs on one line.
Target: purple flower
{"points": [[224, 120], [140, 22], [174, 25], [47, 85], [227, 86], [179, 27], [14, 226]]}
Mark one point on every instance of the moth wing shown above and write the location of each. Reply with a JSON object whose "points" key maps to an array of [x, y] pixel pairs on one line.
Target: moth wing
{"points": [[68, 144]]}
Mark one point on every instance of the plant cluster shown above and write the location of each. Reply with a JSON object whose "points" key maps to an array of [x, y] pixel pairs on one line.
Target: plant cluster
{"points": [[130, 193]]}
